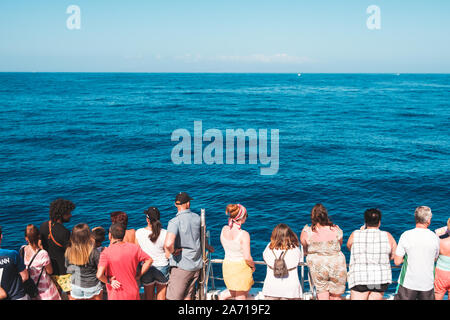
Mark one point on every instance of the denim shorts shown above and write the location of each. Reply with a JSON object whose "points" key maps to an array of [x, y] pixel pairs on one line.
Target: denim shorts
{"points": [[160, 275], [86, 293]]}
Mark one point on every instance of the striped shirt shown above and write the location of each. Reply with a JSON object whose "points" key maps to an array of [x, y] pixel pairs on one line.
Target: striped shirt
{"points": [[370, 258]]}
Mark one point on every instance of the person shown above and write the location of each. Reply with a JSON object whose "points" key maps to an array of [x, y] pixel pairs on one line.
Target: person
{"points": [[118, 264], [151, 240], [326, 263], [99, 236], [183, 243], [371, 250], [417, 249], [283, 243], [13, 273], [81, 262], [122, 217], [442, 271], [55, 239], [238, 265], [40, 268]]}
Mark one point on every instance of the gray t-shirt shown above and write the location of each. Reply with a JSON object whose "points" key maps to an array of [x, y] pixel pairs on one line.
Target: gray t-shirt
{"points": [[85, 276], [186, 227]]}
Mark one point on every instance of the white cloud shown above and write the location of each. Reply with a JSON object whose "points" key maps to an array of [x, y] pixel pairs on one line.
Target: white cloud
{"points": [[278, 58]]}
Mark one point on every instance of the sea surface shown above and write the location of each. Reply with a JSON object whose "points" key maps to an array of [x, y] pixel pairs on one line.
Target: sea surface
{"points": [[349, 141]]}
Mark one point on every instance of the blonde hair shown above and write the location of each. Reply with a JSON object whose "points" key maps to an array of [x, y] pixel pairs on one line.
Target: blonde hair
{"points": [[80, 246]]}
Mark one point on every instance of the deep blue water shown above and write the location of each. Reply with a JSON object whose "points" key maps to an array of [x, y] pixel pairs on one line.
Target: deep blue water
{"points": [[349, 141]]}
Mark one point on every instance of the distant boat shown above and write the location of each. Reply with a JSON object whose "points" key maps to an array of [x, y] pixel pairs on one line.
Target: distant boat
{"points": [[299, 74]]}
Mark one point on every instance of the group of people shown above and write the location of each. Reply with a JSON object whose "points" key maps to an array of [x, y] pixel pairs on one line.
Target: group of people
{"points": [[75, 265], [423, 254]]}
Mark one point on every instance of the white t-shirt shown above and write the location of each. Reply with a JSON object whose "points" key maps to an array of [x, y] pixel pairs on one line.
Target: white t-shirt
{"points": [[422, 248], [154, 249], [288, 287]]}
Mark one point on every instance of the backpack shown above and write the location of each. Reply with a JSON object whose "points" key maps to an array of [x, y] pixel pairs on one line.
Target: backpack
{"points": [[279, 268]]}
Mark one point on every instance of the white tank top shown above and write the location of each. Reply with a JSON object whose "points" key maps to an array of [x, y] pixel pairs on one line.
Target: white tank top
{"points": [[233, 249]]}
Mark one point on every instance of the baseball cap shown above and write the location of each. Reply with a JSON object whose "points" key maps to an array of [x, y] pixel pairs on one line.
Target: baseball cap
{"points": [[182, 198]]}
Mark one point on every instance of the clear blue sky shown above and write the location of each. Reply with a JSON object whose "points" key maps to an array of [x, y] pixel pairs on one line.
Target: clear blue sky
{"points": [[225, 36]]}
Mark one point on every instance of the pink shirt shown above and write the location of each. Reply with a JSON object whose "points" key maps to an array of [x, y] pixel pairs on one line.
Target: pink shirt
{"points": [[121, 261]]}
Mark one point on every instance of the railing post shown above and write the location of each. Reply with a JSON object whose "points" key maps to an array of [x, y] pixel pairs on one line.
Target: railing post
{"points": [[202, 295]]}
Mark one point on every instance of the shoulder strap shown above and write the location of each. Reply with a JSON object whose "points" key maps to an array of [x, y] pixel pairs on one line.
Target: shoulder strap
{"points": [[32, 259], [50, 235]]}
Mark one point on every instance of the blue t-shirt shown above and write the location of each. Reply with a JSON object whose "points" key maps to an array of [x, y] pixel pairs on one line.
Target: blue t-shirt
{"points": [[10, 280]]}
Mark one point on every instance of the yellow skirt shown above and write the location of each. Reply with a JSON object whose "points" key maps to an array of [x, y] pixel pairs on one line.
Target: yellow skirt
{"points": [[237, 275]]}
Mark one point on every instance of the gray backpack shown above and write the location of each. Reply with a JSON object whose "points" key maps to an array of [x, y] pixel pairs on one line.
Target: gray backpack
{"points": [[279, 268]]}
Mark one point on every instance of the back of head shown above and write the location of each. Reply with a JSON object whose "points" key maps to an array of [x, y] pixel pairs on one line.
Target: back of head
{"points": [[117, 231], [283, 238], [423, 215], [319, 215], [32, 234], [59, 208], [372, 217], [119, 216], [153, 215], [99, 234], [81, 245], [232, 210]]}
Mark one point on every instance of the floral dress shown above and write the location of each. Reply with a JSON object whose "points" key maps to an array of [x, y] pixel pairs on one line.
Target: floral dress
{"points": [[326, 263]]}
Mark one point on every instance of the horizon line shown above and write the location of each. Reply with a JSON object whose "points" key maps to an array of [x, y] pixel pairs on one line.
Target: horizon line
{"points": [[225, 72]]}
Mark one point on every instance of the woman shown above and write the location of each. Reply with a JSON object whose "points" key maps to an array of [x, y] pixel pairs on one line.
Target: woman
{"points": [[122, 217], [283, 243], [41, 267], [371, 250], [151, 240], [238, 265], [326, 262], [81, 261]]}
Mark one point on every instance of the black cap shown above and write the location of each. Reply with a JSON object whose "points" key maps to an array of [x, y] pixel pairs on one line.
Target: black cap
{"points": [[152, 213], [182, 198]]}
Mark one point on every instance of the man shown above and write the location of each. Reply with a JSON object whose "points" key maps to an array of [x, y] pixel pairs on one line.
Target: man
{"points": [[118, 264], [183, 242], [12, 274], [442, 272], [417, 249], [54, 236], [371, 250]]}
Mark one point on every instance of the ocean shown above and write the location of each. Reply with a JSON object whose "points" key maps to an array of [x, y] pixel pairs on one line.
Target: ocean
{"points": [[103, 140]]}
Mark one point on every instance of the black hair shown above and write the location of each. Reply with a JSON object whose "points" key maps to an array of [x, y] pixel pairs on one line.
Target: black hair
{"points": [[117, 231], [372, 217], [60, 207]]}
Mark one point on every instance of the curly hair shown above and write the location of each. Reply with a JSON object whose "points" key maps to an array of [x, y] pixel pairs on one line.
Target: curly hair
{"points": [[60, 207], [119, 217]]}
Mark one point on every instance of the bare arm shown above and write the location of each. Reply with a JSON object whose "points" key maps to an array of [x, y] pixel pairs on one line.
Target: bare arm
{"points": [[350, 242], [102, 277], [169, 242], [245, 241], [398, 260], [393, 244], [145, 267], [303, 237]]}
